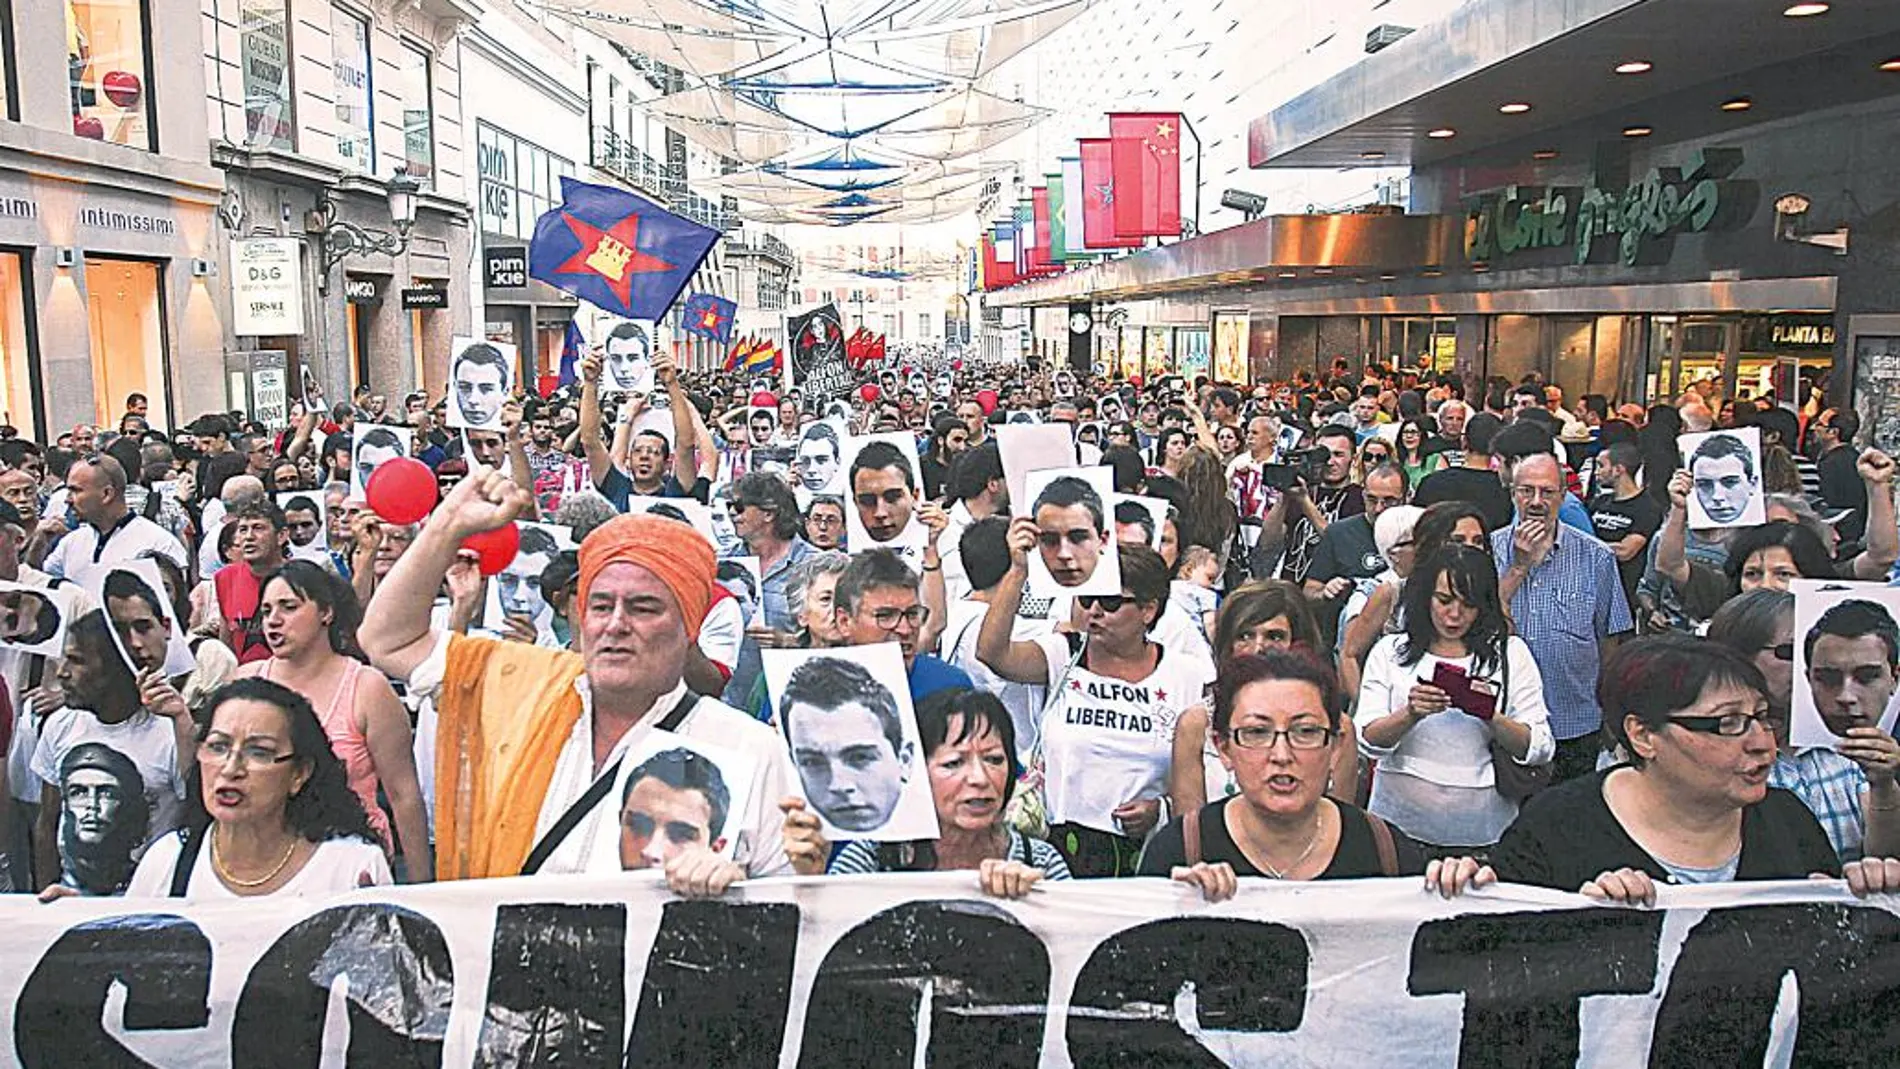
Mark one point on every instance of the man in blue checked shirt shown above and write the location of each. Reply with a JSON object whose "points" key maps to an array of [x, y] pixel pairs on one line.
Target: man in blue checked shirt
{"points": [[1567, 601]]}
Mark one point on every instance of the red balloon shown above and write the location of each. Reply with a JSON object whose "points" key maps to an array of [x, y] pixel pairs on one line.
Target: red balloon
{"points": [[89, 127], [401, 490], [956, 365], [987, 399], [122, 88], [764, 399], [496, 548], [869, 393]]}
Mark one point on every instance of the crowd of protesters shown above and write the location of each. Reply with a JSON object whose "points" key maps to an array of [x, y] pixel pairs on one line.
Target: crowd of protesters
{"points": [[1392, 623]]}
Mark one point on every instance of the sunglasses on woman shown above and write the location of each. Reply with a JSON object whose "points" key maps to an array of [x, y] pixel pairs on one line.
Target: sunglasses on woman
{"points": [[1107, 602]]}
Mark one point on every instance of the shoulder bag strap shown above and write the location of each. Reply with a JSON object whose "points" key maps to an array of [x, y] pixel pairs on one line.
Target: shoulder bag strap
{"points": [[188, 849], [598, 790], [1191, 836], [1382, 840]]}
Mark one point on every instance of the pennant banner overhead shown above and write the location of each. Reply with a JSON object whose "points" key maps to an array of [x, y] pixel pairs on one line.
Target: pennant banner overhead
{"points": [[617, 251], [920, 969], [1100, 194], [710, 316], [1146, 156]]}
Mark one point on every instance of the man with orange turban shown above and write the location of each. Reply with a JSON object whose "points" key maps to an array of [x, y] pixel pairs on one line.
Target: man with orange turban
{"points": [[530, 742]]}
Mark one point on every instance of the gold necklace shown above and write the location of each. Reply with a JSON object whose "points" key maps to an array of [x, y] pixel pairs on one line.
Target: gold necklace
{"points": [[226, 875], [1319, 820]]}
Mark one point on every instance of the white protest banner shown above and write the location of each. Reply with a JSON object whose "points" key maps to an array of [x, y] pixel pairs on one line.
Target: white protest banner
{"points": [[920, 969]]}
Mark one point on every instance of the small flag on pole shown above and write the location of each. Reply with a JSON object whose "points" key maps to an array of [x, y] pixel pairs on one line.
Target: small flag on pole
{"points": [[710, 316]]}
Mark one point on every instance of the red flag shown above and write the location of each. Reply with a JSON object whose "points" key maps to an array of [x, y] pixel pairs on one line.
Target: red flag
{"points": [[1147, 163], [1099, 197], [876, 352]]}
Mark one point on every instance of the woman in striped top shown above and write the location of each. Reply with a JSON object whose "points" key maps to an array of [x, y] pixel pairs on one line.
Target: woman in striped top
{"points": [[971, 743]]}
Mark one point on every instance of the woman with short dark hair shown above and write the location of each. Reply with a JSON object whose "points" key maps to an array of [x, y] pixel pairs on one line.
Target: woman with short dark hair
{"points": [[970, 745], [1276, 722], [1693, 804]]}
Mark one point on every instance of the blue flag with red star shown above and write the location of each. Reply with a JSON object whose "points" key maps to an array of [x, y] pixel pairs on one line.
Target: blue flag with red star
{"points": [[616, 251], [710, 316]]}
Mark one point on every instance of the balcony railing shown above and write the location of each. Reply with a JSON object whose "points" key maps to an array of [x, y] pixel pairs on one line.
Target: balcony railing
{"points": [[626, 161]]}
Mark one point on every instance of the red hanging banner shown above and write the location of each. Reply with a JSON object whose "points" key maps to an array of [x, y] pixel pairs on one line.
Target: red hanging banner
{"points": [[1146, 157]]}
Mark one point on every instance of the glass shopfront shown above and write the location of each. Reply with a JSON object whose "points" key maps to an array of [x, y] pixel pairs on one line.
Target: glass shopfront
{"points": [[107, 76], [1747, 355], [125, 304], [19, 400]]}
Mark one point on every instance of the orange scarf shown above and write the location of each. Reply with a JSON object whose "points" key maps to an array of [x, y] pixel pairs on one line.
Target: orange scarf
{"points": [[504, 711]]}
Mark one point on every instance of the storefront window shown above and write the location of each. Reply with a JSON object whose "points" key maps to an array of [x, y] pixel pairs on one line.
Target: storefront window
{"points": [[264, 46], [9, 87], [16, 362], [520, 180], [124, 301], [349, 65], [418, 132], [106, 72]]}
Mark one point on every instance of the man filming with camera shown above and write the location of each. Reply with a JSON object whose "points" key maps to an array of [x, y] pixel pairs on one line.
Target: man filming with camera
{"points": [[1321, 493]]}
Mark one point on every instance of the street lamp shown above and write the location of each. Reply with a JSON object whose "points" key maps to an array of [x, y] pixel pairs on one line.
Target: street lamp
{"points": [[342, 238]]}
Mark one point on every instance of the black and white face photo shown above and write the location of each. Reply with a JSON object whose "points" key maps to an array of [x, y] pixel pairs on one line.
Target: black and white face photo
{"points": [[1725, 469], [481, 379], [627, 358], [853, 740], [374, 446]]}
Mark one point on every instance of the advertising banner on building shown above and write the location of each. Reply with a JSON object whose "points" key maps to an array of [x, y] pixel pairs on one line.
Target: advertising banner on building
{"points": [[266, 287], [264, 51], [1230, 348], [922, 970]]}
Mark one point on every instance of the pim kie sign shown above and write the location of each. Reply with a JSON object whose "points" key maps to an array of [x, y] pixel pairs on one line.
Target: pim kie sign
{"points": [[1635, 225]]}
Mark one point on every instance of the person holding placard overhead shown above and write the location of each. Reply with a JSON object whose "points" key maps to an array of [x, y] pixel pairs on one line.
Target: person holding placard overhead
{"points": [[1114, 698]]}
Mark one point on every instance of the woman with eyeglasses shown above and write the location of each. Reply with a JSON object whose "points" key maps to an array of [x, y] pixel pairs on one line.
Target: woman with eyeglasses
{"points": [[309, 622], [1113, 695], [1692, 805], [268, 809], [1374, 454], [1412, 455], [1444, 699], [1276, 720], [1262, 615], [1851, 791]]}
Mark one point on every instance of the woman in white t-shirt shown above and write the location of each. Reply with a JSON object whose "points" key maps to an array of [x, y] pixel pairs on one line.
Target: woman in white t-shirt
{"points": [[1444, 698], [269, 810], [1115, 695]]}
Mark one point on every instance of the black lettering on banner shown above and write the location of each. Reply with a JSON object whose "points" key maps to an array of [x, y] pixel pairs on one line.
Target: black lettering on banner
{"points": [[988, 983], [164, 963], [1524, 976], [401, 983], [556, 987], [1247, 976], [1722, 992], [717, 987]]}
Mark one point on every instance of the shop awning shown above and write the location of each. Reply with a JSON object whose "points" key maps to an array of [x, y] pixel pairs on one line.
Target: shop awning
{"points": [[1559, 57], [1278, 247]]}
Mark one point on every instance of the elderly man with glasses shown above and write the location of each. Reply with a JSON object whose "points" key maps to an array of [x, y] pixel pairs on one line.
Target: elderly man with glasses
{"points": [[1566, 600]]}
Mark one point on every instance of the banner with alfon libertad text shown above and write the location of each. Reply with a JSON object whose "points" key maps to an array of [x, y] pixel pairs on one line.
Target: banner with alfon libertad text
{"points": [[921, 970]]}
